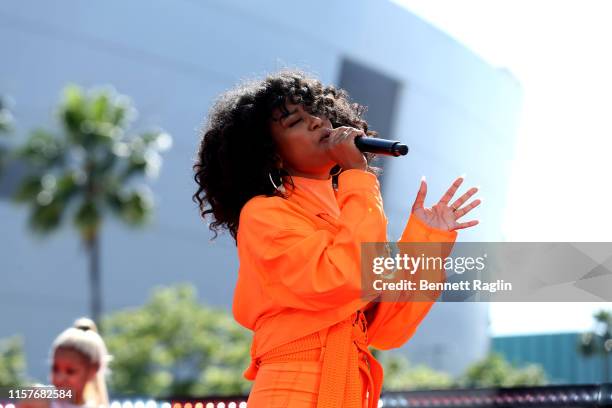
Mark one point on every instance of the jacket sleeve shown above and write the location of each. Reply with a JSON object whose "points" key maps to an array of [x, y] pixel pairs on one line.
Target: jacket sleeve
{"points": [[395, 322], [300, 266]]}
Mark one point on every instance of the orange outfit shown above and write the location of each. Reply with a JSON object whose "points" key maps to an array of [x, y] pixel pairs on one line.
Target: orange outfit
{"points": [[299, 290]]}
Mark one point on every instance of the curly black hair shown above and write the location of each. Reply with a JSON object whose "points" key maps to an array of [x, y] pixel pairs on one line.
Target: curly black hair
{"points": [[237, 152]]}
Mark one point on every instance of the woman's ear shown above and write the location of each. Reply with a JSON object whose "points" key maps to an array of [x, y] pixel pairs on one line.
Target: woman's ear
{"points": [[278, 161]]}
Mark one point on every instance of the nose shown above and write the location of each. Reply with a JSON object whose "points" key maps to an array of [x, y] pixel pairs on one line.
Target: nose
{"points": [[59, 380], [315, 122]]}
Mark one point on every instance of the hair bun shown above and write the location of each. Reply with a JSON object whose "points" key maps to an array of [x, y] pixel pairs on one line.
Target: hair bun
{"points": [[85, 324]]}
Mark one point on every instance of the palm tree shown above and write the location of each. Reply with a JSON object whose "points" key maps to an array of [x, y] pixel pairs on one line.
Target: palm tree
{"points": [[87, 170], [599, 341]]}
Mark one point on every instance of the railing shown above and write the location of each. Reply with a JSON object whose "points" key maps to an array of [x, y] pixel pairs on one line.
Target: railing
{"points": [[595, 395], [550, 396]]}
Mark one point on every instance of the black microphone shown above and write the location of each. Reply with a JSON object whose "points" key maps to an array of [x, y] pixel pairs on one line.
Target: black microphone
{"points": [[381, 146]]}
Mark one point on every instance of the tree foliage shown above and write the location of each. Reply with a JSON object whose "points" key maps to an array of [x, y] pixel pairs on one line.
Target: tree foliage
{"points": [[12, 363], [87, 166], [400, 375], [598, 342], [492, 371], [174, 346], [495, 371]]}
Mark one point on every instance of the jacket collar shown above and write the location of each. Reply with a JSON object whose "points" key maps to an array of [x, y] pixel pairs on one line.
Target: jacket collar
{"points": [[302, 196]]}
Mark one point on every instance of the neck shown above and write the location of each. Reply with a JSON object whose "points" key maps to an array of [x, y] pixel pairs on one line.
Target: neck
{"points": [[316, 176], [78, 399]]}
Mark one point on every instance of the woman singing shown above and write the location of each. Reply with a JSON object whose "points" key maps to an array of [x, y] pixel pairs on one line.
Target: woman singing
{"points": [[277, 166]]}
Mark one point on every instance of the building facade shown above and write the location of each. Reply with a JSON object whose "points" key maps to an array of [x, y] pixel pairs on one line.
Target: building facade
{"points": [[557, 353]]}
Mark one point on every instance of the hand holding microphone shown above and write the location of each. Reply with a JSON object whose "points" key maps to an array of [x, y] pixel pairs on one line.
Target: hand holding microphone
{"points": [[346, 145], [341, 148]]}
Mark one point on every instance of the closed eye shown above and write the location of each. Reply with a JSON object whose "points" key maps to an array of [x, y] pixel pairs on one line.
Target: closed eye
{"points": [[295, 123]]}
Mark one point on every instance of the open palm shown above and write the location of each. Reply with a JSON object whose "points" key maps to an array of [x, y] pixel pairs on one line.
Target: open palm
{"points": [[442, 215]]}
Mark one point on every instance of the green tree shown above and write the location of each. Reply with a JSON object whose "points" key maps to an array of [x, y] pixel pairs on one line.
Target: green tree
{"points": [[174, 346], [401, 376], [495, 371], [12, 363], [599, 341], [87, 169]]}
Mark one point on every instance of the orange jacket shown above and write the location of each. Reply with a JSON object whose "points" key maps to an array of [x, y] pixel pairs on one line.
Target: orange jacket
{"points": [[300, 267]]}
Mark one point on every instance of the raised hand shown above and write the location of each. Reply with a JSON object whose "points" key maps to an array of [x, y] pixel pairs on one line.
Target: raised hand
{"points": [[442, 215]]}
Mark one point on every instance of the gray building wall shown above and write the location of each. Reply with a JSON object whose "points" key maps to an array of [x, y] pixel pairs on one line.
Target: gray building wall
{"points": [[457, 114]]}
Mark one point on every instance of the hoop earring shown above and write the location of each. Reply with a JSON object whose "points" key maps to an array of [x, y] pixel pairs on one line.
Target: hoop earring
{"points": [[272, 181], [280, 188]]}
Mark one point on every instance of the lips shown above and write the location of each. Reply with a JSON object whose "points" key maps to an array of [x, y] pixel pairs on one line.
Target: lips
{"points": [[325, 136]]}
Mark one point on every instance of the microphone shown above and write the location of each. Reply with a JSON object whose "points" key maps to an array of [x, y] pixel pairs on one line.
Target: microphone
{"points": [[381, 146]]}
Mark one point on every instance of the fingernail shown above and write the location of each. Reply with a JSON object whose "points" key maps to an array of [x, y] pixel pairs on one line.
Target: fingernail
{"points": [[422, 178]]}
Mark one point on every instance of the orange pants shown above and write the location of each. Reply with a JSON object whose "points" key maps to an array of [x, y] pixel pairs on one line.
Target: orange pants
{"points": [[294, 384], [290, 376]]}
